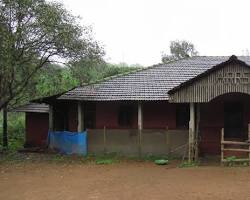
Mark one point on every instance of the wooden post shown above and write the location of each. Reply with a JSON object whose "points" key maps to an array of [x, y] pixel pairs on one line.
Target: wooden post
{"points": [[80, 125], [104, 140], [222, 145], [168, 142], [249, 140], [140, 127], [191, 133], [51, 118], [197, 128]]}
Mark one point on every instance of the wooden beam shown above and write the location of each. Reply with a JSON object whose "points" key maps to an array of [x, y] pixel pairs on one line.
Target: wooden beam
{"points": [[235, 142], [222, 145], [238, 150], [80, 125], [237, 160], [51, 118], [104, 140], [249, 140]]}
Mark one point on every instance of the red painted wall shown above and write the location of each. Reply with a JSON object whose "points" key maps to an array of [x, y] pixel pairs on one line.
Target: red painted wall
{"points": [[107, 114], [159, 115], [37, 125], [156, 115]]}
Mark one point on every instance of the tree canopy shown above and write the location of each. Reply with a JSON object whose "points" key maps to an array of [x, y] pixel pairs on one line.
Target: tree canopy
{"points": [[34, 33], [179, 49]]}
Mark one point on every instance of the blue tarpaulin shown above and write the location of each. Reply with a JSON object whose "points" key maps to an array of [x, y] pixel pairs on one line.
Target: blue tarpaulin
{"points": [[68, 142]]}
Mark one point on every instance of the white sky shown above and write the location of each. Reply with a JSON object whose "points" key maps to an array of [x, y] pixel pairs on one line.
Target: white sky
{"points": [[137, 31]]}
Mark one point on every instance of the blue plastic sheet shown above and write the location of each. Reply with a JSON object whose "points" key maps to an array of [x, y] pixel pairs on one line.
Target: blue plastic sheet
{"points": [[68, 142]]}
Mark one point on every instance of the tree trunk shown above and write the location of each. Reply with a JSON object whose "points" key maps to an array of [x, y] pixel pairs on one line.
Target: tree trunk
{"points": [[5, 131]]}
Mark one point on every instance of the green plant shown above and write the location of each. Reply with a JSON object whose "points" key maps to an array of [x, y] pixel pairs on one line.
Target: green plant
{"points": [[16, 130], [161, 162], [231, 160], [104, 161], [187, 164]]}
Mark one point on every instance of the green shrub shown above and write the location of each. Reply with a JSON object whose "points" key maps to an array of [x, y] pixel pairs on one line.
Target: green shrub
{"points": [[187, 164], [104, 161], [16, 130]]}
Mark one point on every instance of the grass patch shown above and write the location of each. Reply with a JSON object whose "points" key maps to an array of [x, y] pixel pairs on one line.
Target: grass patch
{"points": [[12, 156], [187, 164], [104, 162]]}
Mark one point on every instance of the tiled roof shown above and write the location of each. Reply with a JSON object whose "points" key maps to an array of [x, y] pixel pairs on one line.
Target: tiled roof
{"points": [[32, 107], [150, 84]]}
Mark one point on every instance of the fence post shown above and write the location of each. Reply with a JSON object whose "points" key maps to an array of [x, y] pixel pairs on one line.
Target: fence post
{"points": [[168, 142], [140, 128], [249, 140], [222, 145], [104, 140]]}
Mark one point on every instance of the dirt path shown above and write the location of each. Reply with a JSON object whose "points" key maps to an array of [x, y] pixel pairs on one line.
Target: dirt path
{"points": [[122, 181]]}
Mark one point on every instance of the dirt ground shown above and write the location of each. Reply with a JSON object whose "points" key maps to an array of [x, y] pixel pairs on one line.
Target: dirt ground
{"points": [[131, 180]]}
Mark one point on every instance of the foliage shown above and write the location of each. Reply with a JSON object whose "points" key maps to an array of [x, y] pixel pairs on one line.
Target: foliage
{"points": [[231, 162], [52, 80], [34, 33], [16, 130], [104, 161], [86, 71], [186, 164], [179, 49]]}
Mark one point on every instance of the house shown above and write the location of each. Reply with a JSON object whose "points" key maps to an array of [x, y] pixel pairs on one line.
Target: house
{"points": [[178, 108]]}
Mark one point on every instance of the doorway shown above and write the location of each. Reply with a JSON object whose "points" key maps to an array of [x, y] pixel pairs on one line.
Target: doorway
{"points": [[233, 120]]}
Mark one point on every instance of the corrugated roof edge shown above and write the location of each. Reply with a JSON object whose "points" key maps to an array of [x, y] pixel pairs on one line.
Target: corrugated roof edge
{"points": [[232, 59], [31, 107]]}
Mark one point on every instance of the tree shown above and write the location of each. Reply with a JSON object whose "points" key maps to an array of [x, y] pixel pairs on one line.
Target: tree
{"points": [[86, 71], [53, 79], [34, 33], [179, 50]]}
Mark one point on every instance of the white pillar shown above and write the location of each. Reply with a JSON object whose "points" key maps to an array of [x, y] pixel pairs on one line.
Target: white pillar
{"points": [[80, 125], [51, 118], [191, 132], [140, 117]]}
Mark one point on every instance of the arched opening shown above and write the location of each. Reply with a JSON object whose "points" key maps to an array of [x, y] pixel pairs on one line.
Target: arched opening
{"points": [[230, 111]]}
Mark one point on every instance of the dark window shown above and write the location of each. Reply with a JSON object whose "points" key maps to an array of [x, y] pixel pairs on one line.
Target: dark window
{"points": [[125, 117], [90, 116], [233, 120], [182, 116], [61, 118]]}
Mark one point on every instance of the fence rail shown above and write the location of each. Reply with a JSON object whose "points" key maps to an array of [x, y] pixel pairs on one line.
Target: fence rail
{"points": [[241, 147]]}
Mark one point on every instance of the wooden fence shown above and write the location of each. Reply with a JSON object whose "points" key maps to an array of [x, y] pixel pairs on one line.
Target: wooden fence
{"points": [[240, 147]]}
